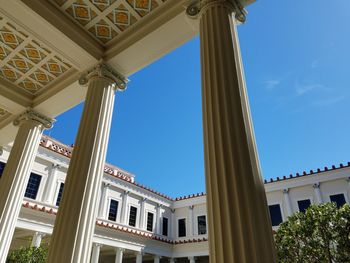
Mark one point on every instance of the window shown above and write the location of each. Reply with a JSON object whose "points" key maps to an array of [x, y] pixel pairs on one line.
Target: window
{"points": [[182, 227], [202, 225], [150, 221], [339, 199], [33, 186], [59, 196], [132, 216], [275, 214], [165, 227], [2, 167], [113, 210], [304, 204]]}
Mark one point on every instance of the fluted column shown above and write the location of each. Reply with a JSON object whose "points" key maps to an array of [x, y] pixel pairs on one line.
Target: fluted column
{"points": [[124, 212], [238, 219], [96, 248], [287, 202], [103, 201], [76, 218], [318, 193], [37, 237], [50, 184], [142, 213], [190, 221], [119, 255], [16, 174], [158, 218]]}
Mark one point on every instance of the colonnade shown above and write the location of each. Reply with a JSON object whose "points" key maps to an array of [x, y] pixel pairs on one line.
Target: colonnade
{"points": [[235, 191]]}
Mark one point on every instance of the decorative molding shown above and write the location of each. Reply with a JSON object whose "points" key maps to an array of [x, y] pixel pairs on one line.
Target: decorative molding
{"points": [[102, 70], [55, 166], [106, 185], [197, 7], [33, 115]]}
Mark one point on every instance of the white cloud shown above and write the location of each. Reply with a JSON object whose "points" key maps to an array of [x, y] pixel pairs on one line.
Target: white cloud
{"points": [[271, 84], [303, 89], [329, 101]]}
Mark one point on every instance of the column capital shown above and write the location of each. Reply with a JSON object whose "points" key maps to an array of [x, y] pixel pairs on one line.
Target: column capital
{"points": [[97, 245], [197, 7], [285, 190], [173, 210], [103, 70], [316, 185], [55, 166], [347, 179], [126, 192], [106, 185], [143, 199], [32, 115], [120, 249], [191, 207]]}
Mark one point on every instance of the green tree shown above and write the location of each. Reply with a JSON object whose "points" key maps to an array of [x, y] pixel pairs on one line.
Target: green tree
{"points": [[320, 234], [28, 255]]}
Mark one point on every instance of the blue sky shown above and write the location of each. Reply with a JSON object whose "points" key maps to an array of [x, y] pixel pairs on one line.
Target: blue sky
{"points": [[296, 58]]}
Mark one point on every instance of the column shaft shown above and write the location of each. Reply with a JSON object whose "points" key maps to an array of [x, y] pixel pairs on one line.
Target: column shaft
{"points": [[318, 193], [36, 241], [190, 221], [142, 214], [124, 212], [287, 202], [192, 259], [173, 224], [158, 219], [96, 248], [103, 201], [238, 220], [76, 218], [119, 255], [138, 258], [16, 175], [50, 185], [156, 259]]}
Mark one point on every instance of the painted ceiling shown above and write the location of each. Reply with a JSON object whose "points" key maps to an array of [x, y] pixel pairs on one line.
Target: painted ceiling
{"points": [[106, 19], [26, 62]]}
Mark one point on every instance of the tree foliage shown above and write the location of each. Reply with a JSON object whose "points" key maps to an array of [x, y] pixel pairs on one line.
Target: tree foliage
{"points": [[28, 255], [320, 234]]}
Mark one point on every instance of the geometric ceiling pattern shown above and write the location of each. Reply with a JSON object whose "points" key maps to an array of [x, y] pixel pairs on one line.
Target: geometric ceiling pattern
{"points": [[4, 114], [106, 19], [26, 62]]}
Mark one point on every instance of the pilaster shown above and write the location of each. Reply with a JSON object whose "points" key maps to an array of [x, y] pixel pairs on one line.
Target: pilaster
{"points": [[50, 184], [318, 193], [287, 202], [142, 213], [124, 212], [103, 201]]}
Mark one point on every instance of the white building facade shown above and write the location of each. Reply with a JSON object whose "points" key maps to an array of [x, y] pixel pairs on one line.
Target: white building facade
{"points": [[138, 224]]}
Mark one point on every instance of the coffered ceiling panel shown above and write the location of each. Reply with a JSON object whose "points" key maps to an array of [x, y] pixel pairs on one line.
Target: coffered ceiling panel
{"points": [[26, 62], [106, 19]]}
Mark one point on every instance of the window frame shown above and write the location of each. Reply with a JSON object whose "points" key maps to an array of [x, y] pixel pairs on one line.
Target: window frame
{"points": [[109, 209], [152, 225], [129, 214], [281, 209], [339, 193], [38, 187], [167, 228], [303, 199], [178, 227], [206, 225]]}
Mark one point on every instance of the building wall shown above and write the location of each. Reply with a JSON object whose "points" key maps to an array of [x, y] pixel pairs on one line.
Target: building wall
{"points": [[334, 181]]}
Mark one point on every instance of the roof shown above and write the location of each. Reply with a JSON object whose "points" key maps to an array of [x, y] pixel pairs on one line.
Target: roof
{"points": [[65, 150]]}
